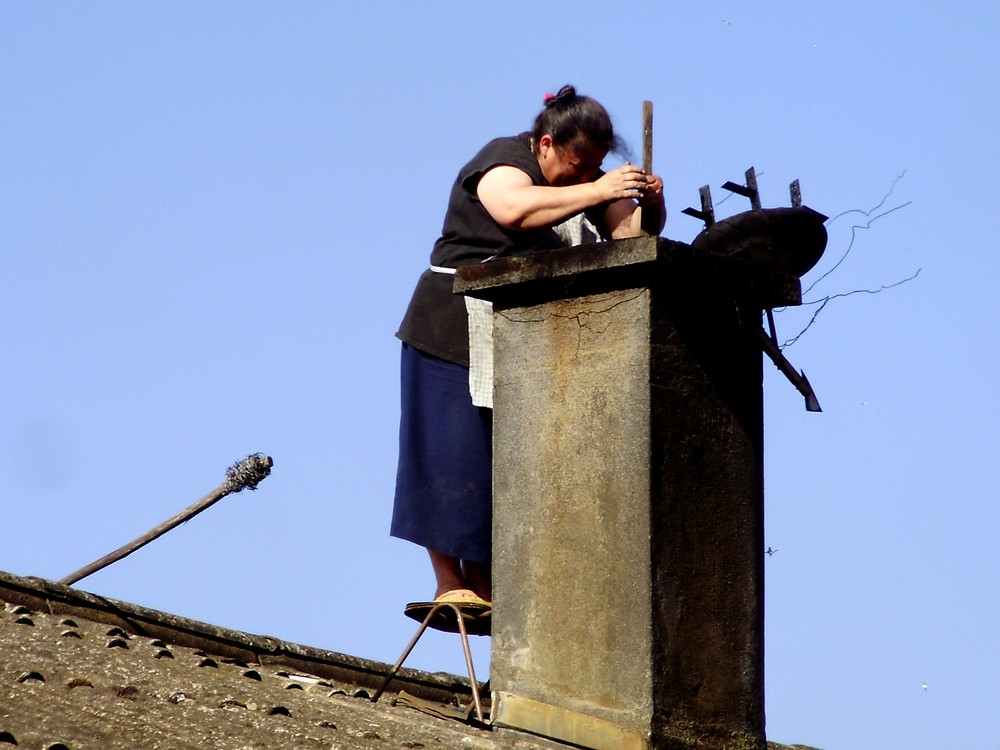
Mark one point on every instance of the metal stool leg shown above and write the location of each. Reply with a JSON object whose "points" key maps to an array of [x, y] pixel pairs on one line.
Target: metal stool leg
{"points": [[465, 648], [468, 663], [406, 652]]}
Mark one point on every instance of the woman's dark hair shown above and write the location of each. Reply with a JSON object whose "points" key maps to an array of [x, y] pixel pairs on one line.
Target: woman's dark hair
{"points": [[574, 121]]}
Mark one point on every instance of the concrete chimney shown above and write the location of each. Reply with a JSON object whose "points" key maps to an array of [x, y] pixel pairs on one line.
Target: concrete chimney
{"points": [[628, 549]]}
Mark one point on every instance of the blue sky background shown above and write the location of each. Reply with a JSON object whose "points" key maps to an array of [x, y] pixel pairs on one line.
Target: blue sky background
{"points": [[212, 215]]}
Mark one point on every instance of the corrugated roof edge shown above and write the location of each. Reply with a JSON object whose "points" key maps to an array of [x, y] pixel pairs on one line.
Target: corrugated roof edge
{"points": [[45, 595]]}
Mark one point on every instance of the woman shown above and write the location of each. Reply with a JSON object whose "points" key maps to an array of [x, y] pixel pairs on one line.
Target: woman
{"points": [[507, 199]]}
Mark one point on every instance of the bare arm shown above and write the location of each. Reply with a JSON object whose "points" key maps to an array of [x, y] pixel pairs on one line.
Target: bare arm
{"points": [[515, 202]]}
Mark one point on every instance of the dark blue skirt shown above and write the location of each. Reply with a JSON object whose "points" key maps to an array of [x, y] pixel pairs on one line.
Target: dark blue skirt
{"points": [[444, 480]]}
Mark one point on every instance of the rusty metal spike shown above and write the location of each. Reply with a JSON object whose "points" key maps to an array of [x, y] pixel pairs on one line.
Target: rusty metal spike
{"points": [[796, 192]]}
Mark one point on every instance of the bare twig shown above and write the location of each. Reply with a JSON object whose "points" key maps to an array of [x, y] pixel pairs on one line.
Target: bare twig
{"points": [[825, 300], [871, 216], [867, 225]]}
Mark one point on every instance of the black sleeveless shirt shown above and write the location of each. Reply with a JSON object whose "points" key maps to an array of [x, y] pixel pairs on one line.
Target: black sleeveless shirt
{"points": [[436, 321]]}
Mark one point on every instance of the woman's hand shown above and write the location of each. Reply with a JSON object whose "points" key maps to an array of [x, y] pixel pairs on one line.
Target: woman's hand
{"points": [[641, 211], [652, 193], [627, 181]]}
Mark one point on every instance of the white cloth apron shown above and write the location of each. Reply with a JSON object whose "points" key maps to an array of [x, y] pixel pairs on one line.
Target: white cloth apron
{"points": [[480, 313]]}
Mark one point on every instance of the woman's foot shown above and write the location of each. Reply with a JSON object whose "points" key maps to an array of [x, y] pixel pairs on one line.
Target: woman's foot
{"points": [[455, 575], [462, 596]]}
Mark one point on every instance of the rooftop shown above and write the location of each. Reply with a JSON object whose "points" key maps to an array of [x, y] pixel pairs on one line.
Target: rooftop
{"points": [[83, 672], [88, 673]]}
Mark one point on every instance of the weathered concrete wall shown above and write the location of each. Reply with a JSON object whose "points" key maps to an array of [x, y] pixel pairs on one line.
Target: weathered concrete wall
{"points": [[708, 513], [573, 598]]}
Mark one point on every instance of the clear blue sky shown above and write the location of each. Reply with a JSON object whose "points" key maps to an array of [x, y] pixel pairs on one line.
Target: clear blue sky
{"points": [[212, 215]]}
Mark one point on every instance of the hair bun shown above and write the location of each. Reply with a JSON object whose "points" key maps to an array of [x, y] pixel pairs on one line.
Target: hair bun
{"points": [[566, 93]]}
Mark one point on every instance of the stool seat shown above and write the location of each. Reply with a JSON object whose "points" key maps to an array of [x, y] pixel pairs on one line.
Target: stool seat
{"points": [[476, 617]]}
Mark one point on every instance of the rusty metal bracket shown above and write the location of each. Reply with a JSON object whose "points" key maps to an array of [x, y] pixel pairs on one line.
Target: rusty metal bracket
{"points": [[707, 213], [769, 344], [747, 191]]}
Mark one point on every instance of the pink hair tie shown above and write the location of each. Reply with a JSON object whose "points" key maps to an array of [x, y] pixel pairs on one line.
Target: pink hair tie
{"points": [[549, 96]]}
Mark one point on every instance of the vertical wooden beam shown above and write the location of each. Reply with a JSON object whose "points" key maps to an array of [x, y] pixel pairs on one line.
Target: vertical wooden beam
{"points": [[647, 137]]}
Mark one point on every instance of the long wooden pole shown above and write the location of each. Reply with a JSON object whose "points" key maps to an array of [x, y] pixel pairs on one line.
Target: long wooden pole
{"points": [[243, 475], [647, 160], [647, 137]]}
